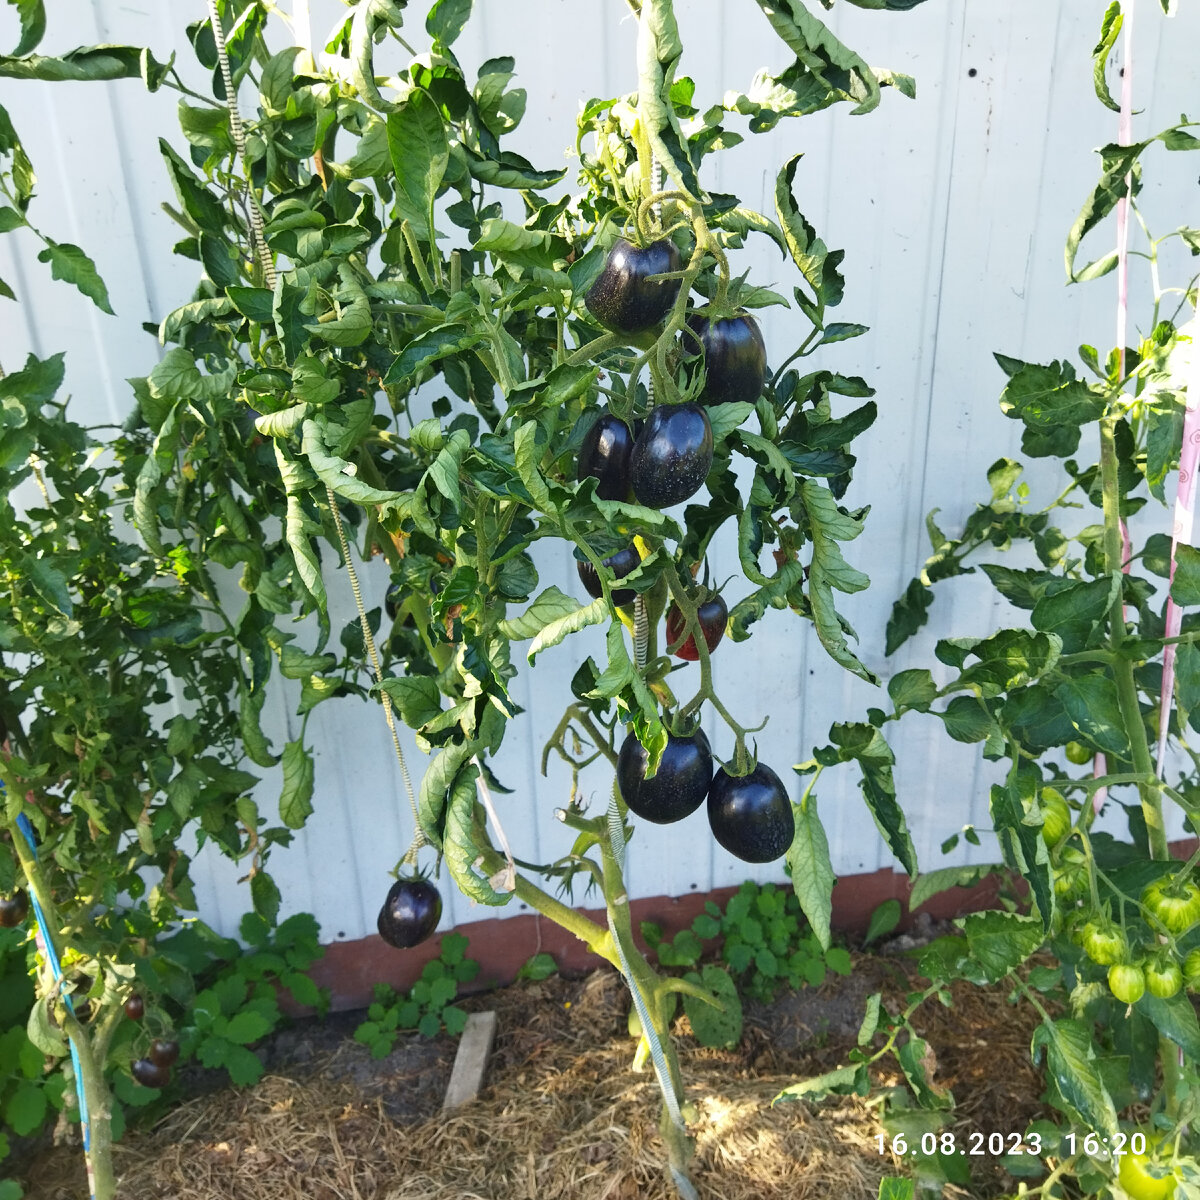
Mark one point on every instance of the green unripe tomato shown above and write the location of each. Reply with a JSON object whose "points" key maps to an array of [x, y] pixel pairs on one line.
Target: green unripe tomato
{"points": [[1163, 978], [1178, 908], [1057, 817], [1078, 753], [1070, 875], [1126, 982], [1191, 970], [1141, 1178], [1103, 944]]}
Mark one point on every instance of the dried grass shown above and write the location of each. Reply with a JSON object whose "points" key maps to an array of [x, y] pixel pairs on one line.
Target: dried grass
{"points": [[563, 1116]]}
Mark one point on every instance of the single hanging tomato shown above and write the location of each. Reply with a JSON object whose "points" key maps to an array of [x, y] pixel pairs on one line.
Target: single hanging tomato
{"points": [[624, 298], [1163, 977], [672, 455], [1056, 816], [1104, 944], [135, 1007], [1126, 982], [1175, 906], [751, 815], [733, 353], [410, 913], [13, 909], [605, 454], [712, 615], [149, 1073], [679, 785], [620, 564], [164, 1051], [1143, 1178]]}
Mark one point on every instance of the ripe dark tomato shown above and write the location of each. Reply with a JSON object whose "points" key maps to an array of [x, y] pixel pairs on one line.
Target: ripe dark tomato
{"points": [[149, 1073], [135, 1008], [713, 616], [410, 913], [164, 1051], [605, 455], [734, 355], [672, 455], [623, 298], [751, 815], [679, 785], [620, 564], [392, 600], [13, 909]]}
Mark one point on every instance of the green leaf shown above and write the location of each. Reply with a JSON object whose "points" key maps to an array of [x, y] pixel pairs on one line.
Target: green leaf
{"points": [[527, 456], [828, 570], [1049, 400], [817, 264], [908, 615], [840, 1082], [145, 497], [428, 348], [884, 919], [933, 883], [1074, 612], [1174, 1018], [1110, 28], [71, 264], [714, 1026], [549, 607], [811, 870], [86, 63], [264, 893], [420, 155], [48, 581], [870, 1021], [893, 1187], [913, 689], [1071, 1057], [1001, 941], [33, 28], [244, 1066], [295, 802], [246, 1026], [25, 1109], [866, 745], [416, 697], [466, 841], [446, 19], [1094, 708], [1185, 587]]}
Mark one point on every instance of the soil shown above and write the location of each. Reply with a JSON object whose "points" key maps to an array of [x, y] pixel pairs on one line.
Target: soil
{"points": [[562, 1114]]}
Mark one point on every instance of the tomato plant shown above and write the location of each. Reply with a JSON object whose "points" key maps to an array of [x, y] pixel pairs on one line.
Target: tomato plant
{"points": [[1066, 704], [445, 382]]}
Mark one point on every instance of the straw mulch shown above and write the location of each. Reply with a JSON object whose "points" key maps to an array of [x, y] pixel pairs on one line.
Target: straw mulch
{"points": [[562, 1115]]}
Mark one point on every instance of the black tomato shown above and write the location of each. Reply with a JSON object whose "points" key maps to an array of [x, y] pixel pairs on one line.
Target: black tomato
{"points": [[605, 455], [624, 298], [734, 355], [163, 1052], [751, 815], [13, 909], [149, 1073], [672, 455], [679, 785], [135, 1008], [623, 563], [410, 913], [713, 616], [392, 599]]}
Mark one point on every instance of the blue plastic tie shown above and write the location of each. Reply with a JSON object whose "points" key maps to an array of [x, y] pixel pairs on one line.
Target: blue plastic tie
{"points": [[23, 823]]}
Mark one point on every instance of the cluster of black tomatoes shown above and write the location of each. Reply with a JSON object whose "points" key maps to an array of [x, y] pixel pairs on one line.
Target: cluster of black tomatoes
{"points": [[155, 1069], [663, 464]]}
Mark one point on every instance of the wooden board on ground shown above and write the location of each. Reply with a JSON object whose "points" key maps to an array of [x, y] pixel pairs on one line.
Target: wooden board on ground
{"points": [[474, 1049]]}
